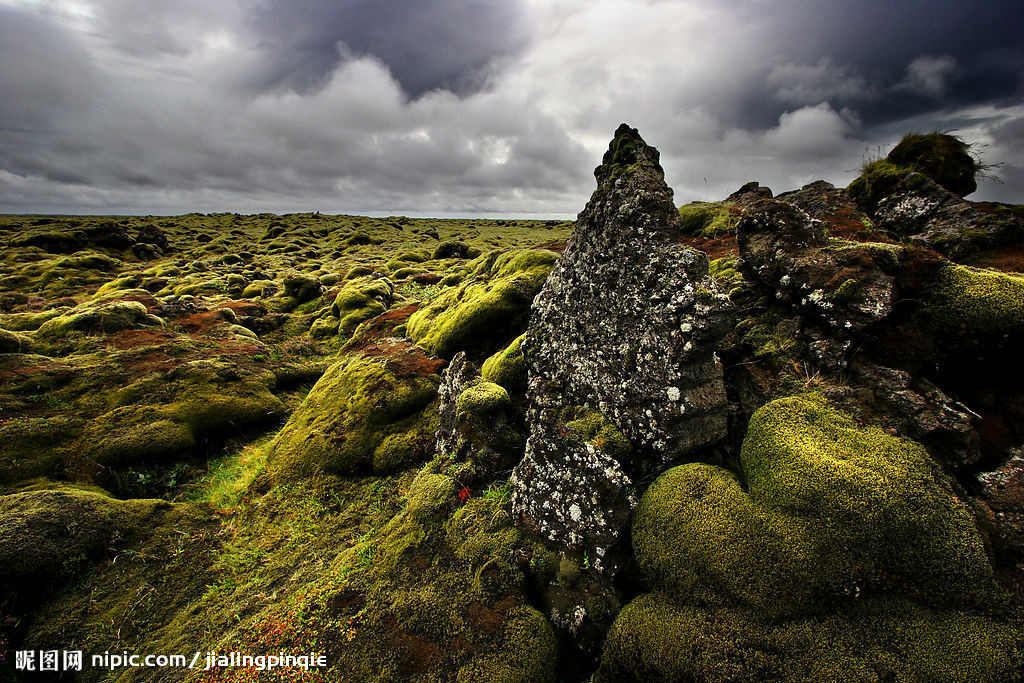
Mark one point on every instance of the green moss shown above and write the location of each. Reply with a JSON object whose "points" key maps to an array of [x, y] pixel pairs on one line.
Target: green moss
{"points": [[874, 639], [346, 416], [429, 496], [592, 427], [105, 318], [877, 181], [254, 290], [47, 536], [830, 510], [725, 273], [708, 219], [26, 322], [507, 367], [12, 342], [484, 313], [133, 433], [977, 302], [944, 158], [482, 398], [361, 299], [34, 446]]}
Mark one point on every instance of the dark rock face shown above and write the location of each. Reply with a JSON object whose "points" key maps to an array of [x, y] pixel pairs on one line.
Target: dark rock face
{"points": [[625, 327], [924, 213], [749, 193]]}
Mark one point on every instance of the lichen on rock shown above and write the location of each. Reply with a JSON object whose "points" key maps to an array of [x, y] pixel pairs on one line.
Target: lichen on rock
{"points": [[625, 327]]}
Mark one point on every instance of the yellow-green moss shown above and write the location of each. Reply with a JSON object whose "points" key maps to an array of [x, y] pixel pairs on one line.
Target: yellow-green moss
{"points": [[346, 416], [12, 342], [482, 398], [978, 302], [484, 313], [877, 180], [594, 428], [360, 299], [507, 367], [133, 433], [708, 219], [830, 510], [874, 639], [49, 535], [105, 318]]}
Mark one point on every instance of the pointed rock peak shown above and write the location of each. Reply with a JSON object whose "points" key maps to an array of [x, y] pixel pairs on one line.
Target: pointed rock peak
{"points": [[632, 199], [628, 152]]}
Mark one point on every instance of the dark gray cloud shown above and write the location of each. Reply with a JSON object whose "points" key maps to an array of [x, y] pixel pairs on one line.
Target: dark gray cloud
{"points": [[426, 45], [460, 106]]}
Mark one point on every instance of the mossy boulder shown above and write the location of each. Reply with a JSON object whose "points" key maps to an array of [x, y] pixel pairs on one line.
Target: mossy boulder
{"points": [[485, 313], [829, 510], [977, 304], [48, 536], [894, 639], [946, 159], [35, 446], [360, 299], [104, 318], [708, 219], [846, 550], [349, 415], [507, 368]]}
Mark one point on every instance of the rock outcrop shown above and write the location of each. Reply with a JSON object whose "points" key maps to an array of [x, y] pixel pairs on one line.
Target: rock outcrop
{"points": [[923, 212], [620, 344]]}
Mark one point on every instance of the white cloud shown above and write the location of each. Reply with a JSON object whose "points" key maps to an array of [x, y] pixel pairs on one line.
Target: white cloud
{"points": [[929, 75]]}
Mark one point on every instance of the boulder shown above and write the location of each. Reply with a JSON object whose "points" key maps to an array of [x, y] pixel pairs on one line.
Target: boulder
{"points": [[622, 333], [923, 212]]}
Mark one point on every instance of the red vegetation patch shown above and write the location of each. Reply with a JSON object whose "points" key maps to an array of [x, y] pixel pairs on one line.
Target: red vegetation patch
{"points": [[381, 326], [1009, 259], [243, 307], [557, 246], [426, 278], [403, 358], [201, 322], [714, 247], [845, 223], [133, 339]]}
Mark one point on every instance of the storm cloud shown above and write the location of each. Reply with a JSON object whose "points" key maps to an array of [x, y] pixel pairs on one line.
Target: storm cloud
{"points": [[472, 107]]}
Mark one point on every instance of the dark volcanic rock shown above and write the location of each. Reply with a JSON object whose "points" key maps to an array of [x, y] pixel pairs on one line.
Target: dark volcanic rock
{"points": [[749, 193], [621, 342], [923, 212]]}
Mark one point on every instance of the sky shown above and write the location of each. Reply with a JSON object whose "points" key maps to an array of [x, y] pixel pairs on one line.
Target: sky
{"points": [[480, 107]]}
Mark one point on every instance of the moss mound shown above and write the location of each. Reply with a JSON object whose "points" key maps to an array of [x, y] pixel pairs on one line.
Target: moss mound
{"points": [[360, 299], [891, 639], [105, 318], [360, 415], [47, 536], [485, 313], [839, 525], [946, 159], [978, 303], [708, 219], [507, 368], [830, 510]]}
